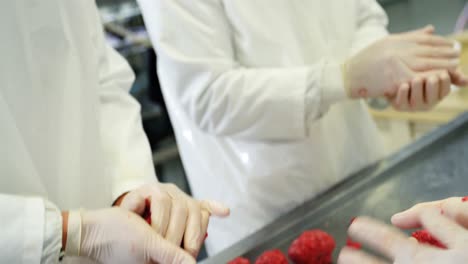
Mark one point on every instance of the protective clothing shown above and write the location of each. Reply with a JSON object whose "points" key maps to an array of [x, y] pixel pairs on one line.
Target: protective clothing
{"points": [[70, 131], [252, 89], [26, 236]]}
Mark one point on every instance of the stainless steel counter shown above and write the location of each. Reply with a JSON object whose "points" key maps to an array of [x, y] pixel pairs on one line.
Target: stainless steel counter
{"points": [[434, 167]]}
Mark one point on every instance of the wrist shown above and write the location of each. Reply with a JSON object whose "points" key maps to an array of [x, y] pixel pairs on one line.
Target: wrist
{"points": [[71, 233], [345, 78], [64, 229], [333, 84], [92, 224], [353, 90]]}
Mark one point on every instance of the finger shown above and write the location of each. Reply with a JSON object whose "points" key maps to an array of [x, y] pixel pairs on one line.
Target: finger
{"points": [[351, 256], [134, 202], [205, 222], [382, 238], [205, 218], [458, 78], [432, 91], [453, 208], [161, 251], [176, 227], [411, 218], [161, 205], [402, 101], [444, 85], [215, 208], [193, 230], [439, 52], [432, 40], [428, 29], [416, 98], [392, 97], [441, 227], [428, 64]]}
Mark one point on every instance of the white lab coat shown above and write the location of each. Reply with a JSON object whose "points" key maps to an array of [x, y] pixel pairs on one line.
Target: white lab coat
{"points": [[70, 131], [255, 94]]}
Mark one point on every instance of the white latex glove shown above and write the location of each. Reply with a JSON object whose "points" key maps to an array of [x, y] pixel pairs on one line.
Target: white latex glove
{"points": [[175, 215], [382, 67], [396, 246], [455, 208], [422, 93], [116, 236], [426, 91]]}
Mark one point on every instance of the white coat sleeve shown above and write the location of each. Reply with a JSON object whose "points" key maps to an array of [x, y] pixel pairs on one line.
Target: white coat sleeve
{"points": [[222, 97], [371, 24], [31, 230], [126, 148]]}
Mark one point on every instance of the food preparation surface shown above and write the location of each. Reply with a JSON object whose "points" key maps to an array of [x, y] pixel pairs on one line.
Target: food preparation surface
{"points": [[434, 167]]}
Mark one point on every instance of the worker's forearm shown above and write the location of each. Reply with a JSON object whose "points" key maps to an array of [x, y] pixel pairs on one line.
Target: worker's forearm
{"points": [[64, 229]]}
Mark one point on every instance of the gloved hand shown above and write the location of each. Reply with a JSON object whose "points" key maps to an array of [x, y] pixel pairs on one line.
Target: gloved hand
{"points": [[396, 246], [174, 214], [382, 67], [455, 208], [117, 236], [426, 90]]}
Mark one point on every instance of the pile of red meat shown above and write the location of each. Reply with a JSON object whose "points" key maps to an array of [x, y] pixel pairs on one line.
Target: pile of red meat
{"points": [[311, 247], [316, 247]]}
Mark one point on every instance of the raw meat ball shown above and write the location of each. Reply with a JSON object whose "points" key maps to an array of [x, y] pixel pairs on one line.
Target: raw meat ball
{"points": [[312, 247], [272, 257]]}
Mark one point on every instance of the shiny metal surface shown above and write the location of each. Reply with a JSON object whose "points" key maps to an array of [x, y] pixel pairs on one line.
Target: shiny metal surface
{"points": [[434, 167]]}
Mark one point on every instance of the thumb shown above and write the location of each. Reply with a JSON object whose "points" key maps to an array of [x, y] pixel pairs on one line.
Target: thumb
{"points": [[162, 251], [215, 208], [429, 29], [411, 218]]}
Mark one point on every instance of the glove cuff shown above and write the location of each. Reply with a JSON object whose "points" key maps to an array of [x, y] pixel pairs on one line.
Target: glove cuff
{"points": [[73, 247], [344, 74], [332, 84]]}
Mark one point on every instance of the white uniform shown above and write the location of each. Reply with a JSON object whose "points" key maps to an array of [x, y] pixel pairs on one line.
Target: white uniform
{"points": [[70, 132], [255, 94]]}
